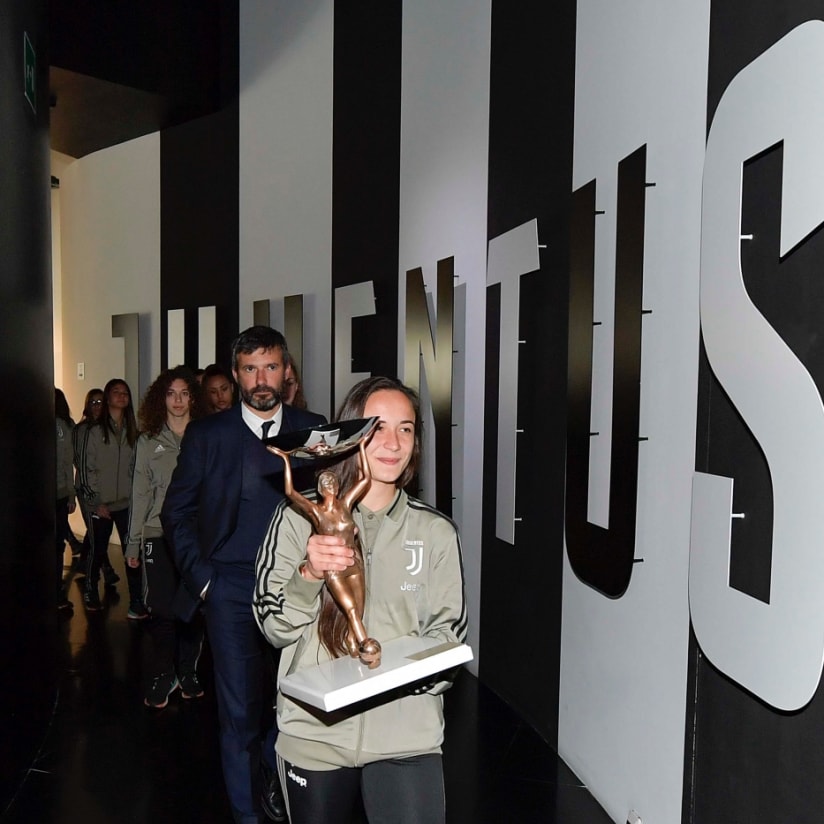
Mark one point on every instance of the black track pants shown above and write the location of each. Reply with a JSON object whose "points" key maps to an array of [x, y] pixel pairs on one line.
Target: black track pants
{"points": [[396, 791]]}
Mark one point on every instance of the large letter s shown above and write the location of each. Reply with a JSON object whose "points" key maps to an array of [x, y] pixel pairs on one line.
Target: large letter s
{"points": [[774, 650]]}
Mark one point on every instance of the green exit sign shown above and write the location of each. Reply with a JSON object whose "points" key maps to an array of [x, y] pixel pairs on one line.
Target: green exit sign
{"points": [[29, 72]]}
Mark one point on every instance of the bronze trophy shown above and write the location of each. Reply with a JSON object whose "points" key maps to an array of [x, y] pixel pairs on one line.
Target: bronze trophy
{"points": [[340, 626]]}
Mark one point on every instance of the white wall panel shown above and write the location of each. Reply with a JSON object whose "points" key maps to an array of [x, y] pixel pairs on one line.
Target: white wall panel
{"points": [[641, 78], [59, 163], [110, 262], [286, 54], [443, 187]]}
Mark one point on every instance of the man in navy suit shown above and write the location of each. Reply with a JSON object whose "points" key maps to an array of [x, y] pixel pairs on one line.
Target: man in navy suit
{"points": [[218, 505]]}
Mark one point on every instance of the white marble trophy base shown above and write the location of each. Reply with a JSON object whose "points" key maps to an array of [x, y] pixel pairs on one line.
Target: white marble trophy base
{"points": [[343, 681]]}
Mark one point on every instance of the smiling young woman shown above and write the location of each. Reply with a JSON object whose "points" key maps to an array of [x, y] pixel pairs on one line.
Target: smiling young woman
{"points": [[389, 754]]}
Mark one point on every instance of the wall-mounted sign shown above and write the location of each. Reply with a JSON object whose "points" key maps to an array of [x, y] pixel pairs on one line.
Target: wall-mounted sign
{"points": [[774, 649], [29, 72]]}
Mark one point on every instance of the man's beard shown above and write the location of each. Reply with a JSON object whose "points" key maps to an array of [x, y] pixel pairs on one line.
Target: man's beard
{"points": [[261, 404]]}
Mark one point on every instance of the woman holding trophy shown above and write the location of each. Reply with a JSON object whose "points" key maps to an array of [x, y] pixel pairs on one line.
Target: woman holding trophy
{"points": [[406, 562]]}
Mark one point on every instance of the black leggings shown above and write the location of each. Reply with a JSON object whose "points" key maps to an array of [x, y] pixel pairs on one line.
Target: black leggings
{"points": [[99, 551], [61, 536], [176, 645], [395, 791]]}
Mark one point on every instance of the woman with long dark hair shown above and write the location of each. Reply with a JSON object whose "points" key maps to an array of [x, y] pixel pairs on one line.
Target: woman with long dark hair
{"points": [[170, 403], [105, 476], [390, 753], [92, 410]]}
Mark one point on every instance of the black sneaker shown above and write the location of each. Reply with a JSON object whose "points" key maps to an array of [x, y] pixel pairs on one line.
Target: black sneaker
{"points": [[110, 577], [91, 600], [190, 686], [271, 798], [162, 686], [63, 602], [137, 611]]}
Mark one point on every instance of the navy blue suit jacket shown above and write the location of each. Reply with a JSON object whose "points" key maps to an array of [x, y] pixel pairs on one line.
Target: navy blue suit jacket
{"points": [[201, 506]]}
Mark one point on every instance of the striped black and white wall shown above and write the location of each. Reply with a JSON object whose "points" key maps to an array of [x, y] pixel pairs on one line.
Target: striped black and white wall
{"points": [[627, 373]]}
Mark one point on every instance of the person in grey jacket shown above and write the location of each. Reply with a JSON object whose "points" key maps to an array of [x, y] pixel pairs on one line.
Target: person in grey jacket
{"points": [[105, 476], [389, 753], [170, 403], [92, 410], [65, 488]]}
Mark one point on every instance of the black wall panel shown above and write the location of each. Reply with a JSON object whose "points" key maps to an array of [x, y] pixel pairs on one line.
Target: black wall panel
{"points": [[199, 235], [745, 761], [530, 177], [366, 172], [27, 436], [200, 209], [167, 48]]}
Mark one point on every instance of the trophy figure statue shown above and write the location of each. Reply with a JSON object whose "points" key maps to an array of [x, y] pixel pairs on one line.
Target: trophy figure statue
{"points": [[340, 626]]}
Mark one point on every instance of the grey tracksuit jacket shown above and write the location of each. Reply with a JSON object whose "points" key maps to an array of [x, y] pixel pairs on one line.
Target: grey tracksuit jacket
{"points": [[65, 481], [414, 581], [155, 459], [105, 473]]}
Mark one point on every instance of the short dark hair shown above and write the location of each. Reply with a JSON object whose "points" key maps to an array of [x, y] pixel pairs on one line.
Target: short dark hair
{"points": [[258, 337], [214, 370]]}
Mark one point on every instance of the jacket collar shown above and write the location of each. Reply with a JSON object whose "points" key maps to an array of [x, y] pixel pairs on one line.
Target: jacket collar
{"points": [[397, 507]]}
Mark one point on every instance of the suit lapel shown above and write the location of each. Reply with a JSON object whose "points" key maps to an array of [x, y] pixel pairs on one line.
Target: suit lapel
{"points": [[286, 424]]}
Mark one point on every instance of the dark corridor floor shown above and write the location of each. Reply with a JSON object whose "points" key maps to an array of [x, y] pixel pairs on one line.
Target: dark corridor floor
{"points": [[106, 759]]}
